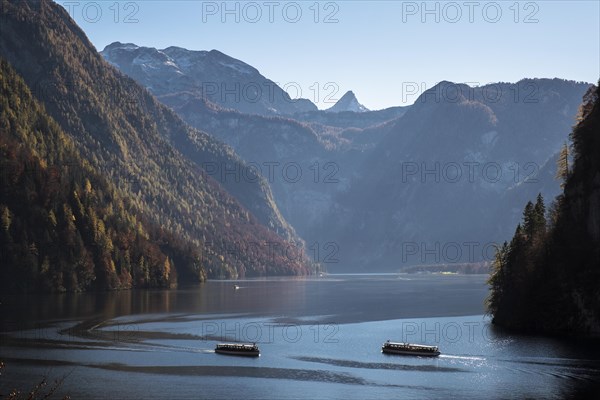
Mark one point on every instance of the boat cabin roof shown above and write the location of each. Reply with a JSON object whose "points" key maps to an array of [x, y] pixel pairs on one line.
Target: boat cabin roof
{"points": [[238, 345], [410, 346]]}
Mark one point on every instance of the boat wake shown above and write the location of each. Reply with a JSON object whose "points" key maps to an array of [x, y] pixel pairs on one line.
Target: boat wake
{"points": [[468, 358]]}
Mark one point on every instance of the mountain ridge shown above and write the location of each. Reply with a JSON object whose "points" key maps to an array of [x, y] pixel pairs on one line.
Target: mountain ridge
{"points": [[403, 196], [211, 75], [133, 140], [485, 125]]}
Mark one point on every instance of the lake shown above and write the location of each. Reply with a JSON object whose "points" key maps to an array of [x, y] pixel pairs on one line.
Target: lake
{"points": [[320, 338]]}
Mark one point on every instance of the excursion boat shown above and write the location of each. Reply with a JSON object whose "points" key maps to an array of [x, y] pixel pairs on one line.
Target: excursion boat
{"points": [[410, 349], [238, 349]]}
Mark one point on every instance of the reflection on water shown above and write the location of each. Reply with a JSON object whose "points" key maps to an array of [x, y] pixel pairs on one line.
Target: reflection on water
{"points": [[391, 366], [360, 297], [319, 338]]}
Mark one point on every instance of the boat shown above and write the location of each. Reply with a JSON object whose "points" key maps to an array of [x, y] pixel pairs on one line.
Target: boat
{"points": [[410, 349], [236, 287], [238, 349]]}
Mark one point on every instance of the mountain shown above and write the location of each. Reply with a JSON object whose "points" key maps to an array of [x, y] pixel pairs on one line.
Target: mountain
{"points": [[157, 161], [543, 180], [432, 189], [64, 227], [304, 164], [209, 75], [348, 102], [545, 279], [315, 143], [365, 184]]}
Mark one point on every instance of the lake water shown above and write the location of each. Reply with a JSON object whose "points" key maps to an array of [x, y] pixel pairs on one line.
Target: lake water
{"points": [[320, 338]]}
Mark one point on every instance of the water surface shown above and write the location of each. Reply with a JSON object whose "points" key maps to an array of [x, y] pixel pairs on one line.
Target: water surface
{"points": [[320, 338]]}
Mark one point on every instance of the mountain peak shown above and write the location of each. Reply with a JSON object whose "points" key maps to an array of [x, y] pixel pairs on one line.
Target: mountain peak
{"points": [[207, 74], [348, 102], [119, 45]]}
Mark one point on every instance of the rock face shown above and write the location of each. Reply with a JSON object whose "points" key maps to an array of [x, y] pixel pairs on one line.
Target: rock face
{"points": [[210, 75], [348, 102]]}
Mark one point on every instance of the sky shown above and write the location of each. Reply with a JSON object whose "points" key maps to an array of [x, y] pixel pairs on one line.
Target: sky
{"points": [[386, 52]]}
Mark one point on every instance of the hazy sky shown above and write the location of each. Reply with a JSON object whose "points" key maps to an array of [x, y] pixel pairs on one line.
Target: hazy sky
{"points": [[387, 52]]}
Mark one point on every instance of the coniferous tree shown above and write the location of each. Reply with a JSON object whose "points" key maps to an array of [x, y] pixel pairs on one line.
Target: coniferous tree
{"points": [[529, 220], [539, 212], [497, 280], [562, 165]]}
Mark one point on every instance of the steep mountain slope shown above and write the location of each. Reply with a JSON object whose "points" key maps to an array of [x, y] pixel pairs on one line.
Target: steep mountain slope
{"points": [[431, 189], [129, 137], [64, 227], [283, 151], [211, 75], [271, 145], [348, 102], [54, 87], [546, 279], [543, 181]]}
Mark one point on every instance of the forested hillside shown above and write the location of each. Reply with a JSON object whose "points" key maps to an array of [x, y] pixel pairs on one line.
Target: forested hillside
{"points": [[64, 226], [545, 279], [152, 157]]}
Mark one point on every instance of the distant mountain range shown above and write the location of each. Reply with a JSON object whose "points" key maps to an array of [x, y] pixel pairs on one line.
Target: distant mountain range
{"points": [[204, 159], [303, 139], [395, 171], [436, 187]]}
